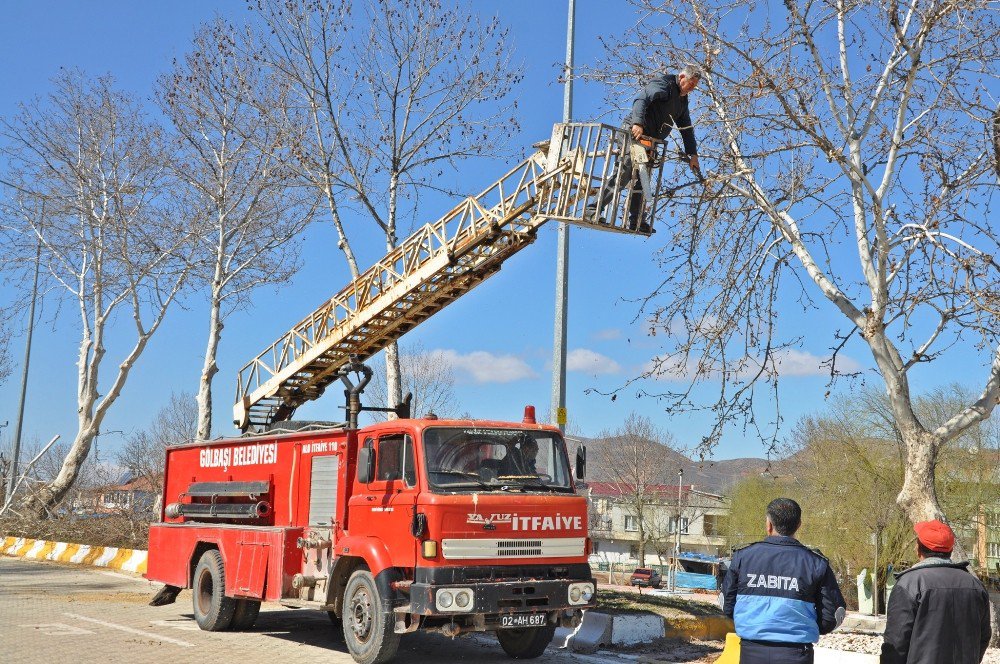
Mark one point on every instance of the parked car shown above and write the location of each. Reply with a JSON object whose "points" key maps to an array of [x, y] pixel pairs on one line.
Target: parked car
{"points": [[645, 576]]}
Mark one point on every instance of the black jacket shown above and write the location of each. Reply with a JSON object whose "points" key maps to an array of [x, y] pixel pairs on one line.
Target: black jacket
{"points": [[938, 613], [780, 591], [659, 107]]}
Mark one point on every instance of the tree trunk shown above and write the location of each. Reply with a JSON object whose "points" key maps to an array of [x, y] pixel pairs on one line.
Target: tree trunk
{"points": [[995, 619], [209, 368], [918, 497], [393, 380], [342, 242], [51, 494]]}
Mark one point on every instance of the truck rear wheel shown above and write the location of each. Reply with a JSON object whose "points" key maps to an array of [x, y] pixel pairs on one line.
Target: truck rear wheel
{"points": [[212, 609], [368, 632], [526, 642], [245, 614]]}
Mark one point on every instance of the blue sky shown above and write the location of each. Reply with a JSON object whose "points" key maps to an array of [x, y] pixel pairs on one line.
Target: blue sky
{"points": [[499, 336]]}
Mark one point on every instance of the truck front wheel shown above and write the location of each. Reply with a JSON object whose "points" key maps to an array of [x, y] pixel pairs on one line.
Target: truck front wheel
{"points": [[368, 631], [212, 609], [526, 642]]}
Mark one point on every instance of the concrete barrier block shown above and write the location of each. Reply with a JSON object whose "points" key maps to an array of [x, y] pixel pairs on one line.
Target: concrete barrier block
{"points": [[636, 628], [593, 632]]}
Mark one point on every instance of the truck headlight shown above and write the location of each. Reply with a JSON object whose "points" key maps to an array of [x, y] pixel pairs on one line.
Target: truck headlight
{"points": [[581, 593], [455, 599]]}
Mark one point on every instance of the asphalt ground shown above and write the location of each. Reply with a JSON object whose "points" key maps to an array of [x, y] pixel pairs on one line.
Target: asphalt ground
{"points": [[56, 613]]}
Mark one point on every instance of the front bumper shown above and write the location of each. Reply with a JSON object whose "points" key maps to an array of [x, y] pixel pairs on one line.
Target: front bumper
{"points": [[501, 597]]}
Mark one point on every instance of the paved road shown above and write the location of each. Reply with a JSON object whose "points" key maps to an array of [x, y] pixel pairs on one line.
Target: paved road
{"points": [[65, 614]]}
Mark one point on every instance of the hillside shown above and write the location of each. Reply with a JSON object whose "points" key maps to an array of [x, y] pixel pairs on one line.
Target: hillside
{"points": [[709, 475]]}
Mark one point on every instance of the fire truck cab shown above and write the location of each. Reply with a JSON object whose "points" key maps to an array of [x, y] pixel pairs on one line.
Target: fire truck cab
{"points": [[448, 525]]}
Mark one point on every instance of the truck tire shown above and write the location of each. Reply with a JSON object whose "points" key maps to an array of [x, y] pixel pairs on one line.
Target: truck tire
{"points": [[245, 614], [212, 609], [368, 632], [526, 642]]}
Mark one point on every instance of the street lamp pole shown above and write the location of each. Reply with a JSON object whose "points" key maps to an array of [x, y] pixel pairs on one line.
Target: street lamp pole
{"points": [[12, 478], [562, 254]]}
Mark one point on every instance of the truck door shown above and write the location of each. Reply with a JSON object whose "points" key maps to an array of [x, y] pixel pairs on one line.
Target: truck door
{"points": [[394, 490]]}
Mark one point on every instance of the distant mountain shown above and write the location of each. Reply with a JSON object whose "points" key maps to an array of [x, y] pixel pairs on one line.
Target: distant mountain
{"points": [[709, 475]]}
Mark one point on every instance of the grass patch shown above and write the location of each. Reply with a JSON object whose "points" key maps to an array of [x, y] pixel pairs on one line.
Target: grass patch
{"points": [[616, 602]]}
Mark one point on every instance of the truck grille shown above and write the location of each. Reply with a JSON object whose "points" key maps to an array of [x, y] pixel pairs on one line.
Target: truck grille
{"points": [[553, 547]]}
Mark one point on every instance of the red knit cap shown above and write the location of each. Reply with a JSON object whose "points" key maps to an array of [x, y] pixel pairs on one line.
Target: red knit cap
{"points": [[935, 536]]}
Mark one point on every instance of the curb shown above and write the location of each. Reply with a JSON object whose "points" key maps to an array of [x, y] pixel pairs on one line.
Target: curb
{"points": [[712, 628], [126, 560], [602, 629]]}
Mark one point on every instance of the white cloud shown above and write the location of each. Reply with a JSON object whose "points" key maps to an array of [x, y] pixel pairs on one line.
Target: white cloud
{"points": [[609, 334], [788, 363], [485, 367], [587, 361], [791, 362]]}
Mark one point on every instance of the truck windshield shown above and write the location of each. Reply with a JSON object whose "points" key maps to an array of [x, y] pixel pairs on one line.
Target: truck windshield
{"points": [[485, 459]]}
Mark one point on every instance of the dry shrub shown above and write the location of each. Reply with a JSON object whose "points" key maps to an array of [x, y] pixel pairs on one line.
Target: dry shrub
{"points": [[120, 530]]}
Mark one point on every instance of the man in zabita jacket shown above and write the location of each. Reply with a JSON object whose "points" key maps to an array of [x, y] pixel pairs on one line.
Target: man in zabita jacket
{"points": [[780, 594], [938, 613]]}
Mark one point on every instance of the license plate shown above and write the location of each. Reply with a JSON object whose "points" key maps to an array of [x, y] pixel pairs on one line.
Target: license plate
{"points": [[523, 620]]}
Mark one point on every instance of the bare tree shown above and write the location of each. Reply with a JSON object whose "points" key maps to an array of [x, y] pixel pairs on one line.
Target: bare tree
{"points": [[231, 160], [851, 162], [634, 456], [396, 93], [144, 452], [427, 375], [86, 177]]}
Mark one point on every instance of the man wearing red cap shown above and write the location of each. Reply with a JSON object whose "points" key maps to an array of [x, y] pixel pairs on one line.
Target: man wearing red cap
{"points": [[938, 613]]}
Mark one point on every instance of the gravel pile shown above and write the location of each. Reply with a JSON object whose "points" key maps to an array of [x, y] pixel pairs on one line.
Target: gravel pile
{"points": [[852, 642], [872, 645]]}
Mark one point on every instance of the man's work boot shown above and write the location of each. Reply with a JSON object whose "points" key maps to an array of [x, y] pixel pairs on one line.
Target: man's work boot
{"points": [[639, 223]]}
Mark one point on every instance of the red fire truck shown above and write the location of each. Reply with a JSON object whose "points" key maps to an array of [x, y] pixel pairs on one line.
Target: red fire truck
{"points": [[447, 525]]}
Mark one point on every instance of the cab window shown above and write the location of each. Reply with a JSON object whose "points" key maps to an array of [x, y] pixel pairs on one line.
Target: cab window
{"points": [[396, 460]]}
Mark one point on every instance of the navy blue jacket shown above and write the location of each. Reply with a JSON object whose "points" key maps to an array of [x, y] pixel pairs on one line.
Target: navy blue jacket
{"points": [[779, 591], [660, 107]]}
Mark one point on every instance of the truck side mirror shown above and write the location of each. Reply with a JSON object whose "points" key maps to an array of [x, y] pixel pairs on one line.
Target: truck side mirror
{"points": [[581, 462], [366, 465]]}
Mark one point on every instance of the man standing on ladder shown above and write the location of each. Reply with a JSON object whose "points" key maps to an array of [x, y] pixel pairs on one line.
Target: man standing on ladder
{"points": [[662, 105]]}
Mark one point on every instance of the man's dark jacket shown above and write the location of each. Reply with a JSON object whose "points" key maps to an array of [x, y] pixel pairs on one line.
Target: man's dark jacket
{"points": [[938, 613], [659, 107], [779, 591]]}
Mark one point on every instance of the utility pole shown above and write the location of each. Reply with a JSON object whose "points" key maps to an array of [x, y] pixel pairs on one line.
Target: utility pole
{"points": [[12, 478], [562, 254]]}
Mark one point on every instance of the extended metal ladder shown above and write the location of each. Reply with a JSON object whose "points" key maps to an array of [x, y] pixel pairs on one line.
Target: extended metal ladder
{"points": [[444, 260]]}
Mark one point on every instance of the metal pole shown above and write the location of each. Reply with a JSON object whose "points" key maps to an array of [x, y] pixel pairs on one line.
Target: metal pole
{"points": [[12, 478], [562, 255], [875, 584], [677, 545]]}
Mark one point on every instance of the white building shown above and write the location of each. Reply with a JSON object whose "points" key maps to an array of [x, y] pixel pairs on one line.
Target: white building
{"points": [[615, 522]]}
